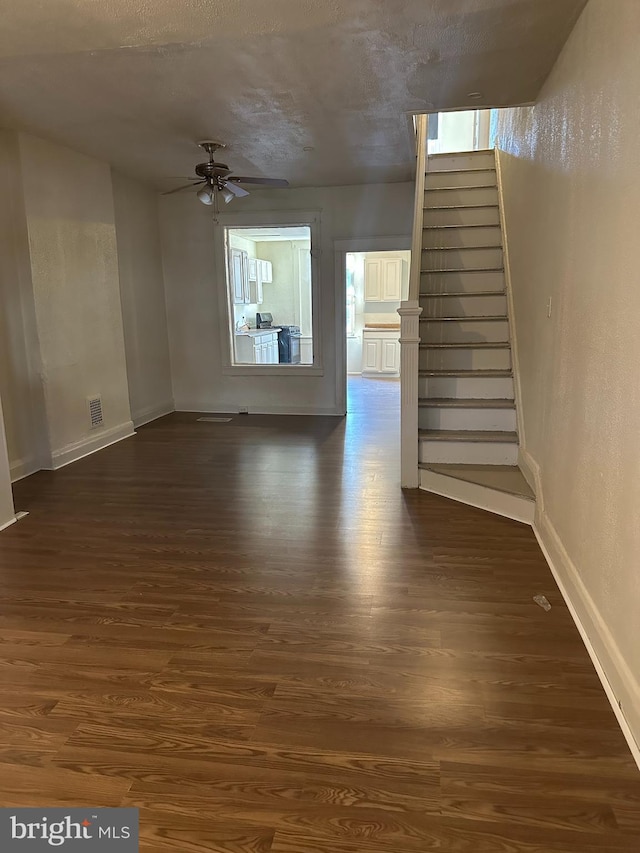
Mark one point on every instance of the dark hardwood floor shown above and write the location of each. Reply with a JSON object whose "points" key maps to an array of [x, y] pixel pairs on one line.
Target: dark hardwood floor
{"points": [[247, 631]]}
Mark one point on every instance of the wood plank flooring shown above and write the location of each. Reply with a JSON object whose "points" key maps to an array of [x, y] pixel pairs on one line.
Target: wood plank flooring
{"points": [[247, 631]]}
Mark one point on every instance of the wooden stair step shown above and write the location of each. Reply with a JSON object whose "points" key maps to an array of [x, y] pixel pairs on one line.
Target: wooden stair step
{"points": [[448, 227], [458, 271], [494, 318], [440, 155], [458, 248], [462, 207], [460, 171], [467, 374], [488, 436], [469, 345], [502, 478], [448, 189], [464, 403], [460, 293]]}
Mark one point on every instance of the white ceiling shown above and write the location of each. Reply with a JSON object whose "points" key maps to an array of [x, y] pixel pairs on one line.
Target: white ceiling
{"points": [[137, 82]]}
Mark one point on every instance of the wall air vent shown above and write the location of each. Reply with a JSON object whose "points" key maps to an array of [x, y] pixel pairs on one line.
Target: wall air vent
{"points": [[95, 412]]}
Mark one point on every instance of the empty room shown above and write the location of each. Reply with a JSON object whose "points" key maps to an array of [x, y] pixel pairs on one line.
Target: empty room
{"points": [[319, 469]]}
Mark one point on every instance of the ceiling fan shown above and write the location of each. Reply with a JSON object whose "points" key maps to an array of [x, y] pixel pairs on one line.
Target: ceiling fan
{"points": [[217, 178]]}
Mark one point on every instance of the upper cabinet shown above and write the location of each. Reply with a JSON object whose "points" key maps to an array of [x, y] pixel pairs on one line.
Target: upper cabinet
{"points": [[239, 271], [267, 271], [383, 279], [247, 277]]}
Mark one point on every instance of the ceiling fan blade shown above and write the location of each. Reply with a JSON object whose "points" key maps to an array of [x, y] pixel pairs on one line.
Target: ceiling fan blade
{"points": [[267, 182], [185, 187], [236, 190]]}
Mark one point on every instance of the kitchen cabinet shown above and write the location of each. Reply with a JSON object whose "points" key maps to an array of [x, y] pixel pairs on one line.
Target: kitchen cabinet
{"points": [[257, 347], [239, 274], [381, 352], [267, 271], [255, 286], [383, 279], [247, 275]]}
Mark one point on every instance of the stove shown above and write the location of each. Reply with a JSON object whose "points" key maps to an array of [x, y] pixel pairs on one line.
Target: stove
{"points": [[289, 344]]}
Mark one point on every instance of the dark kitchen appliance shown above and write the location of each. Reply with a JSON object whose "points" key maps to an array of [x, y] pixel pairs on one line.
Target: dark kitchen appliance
{"points": [[289, 344], [264, 320]]}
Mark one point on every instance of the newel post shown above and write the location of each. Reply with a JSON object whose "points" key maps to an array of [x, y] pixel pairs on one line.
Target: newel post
{"points": [[409, 354]]}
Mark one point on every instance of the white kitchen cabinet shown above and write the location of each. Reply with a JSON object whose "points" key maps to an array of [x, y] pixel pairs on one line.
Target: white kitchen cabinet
{"points": [[239, 274], [255, 286], [257, 347], [267, 271], [253, 269], [383, 279], [381, 352]]}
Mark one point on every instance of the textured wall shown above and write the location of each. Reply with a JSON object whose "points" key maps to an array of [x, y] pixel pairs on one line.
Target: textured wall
{"points": [[572, 183], [195, 320], [143, 300], [20, 385], [74, 271]]}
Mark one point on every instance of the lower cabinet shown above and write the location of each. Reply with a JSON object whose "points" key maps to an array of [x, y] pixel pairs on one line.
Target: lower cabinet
{"points": [[381, 352], [261, 348]]}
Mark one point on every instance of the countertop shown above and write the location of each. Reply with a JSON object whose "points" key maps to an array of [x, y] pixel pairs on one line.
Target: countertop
{"points": [[381, 327], [254, 333]]}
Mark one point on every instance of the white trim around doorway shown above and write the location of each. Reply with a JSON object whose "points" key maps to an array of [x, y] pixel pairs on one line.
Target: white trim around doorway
{"points": [[341, 249]]}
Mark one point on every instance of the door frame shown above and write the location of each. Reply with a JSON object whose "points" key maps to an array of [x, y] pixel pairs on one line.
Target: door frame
{"points": [[341, 250]]}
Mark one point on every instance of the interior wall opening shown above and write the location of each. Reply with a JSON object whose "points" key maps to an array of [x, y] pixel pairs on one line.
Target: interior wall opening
{"points": [[376, 284], [462, 130], [269, 283]]}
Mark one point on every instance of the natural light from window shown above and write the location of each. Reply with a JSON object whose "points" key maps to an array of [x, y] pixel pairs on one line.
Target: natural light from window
{"points": [[269, 280]]}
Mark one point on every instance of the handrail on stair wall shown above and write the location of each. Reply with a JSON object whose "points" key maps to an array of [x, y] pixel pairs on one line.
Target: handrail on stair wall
{"points": [[409, 312]]}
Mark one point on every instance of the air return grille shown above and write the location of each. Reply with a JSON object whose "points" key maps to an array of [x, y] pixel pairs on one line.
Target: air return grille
{"points": [[95, 412]]}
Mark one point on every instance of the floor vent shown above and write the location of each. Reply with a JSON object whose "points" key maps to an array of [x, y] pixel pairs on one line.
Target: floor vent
{"points": [[95, 412], [214, 420]]}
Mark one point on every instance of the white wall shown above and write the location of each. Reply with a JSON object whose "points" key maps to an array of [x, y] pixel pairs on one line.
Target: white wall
{"points": [[143, 299], [74, 272], [20, 378], [197, 327], [572, 202], [288, 296]]}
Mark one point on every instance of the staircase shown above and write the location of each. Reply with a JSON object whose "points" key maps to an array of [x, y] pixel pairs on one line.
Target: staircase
{"points": [[468, 440]]}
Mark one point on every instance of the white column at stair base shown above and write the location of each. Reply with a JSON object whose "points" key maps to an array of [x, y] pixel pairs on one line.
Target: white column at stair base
{"points": [[409, 359]]}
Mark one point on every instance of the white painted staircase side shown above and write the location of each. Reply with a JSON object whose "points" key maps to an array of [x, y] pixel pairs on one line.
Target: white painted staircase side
{"points": [[467, 410]]}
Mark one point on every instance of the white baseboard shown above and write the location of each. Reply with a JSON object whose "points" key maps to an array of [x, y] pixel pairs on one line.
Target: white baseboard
{"points": [[619, 682], [152, 413], [79, 449], [21, 468], [531, 472], [200, 408], [8, 523], [500, 503]]}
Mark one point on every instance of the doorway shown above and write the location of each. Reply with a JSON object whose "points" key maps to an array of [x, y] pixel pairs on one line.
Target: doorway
{"points": [[463, 130], [376, 284]]}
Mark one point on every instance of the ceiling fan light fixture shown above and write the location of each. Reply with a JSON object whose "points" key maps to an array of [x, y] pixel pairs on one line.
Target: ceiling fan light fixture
{"points": [[206, 195], [227, 195]]}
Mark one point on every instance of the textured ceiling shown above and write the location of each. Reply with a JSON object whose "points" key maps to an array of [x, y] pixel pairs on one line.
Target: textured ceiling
{"points": [[136, 82]]}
